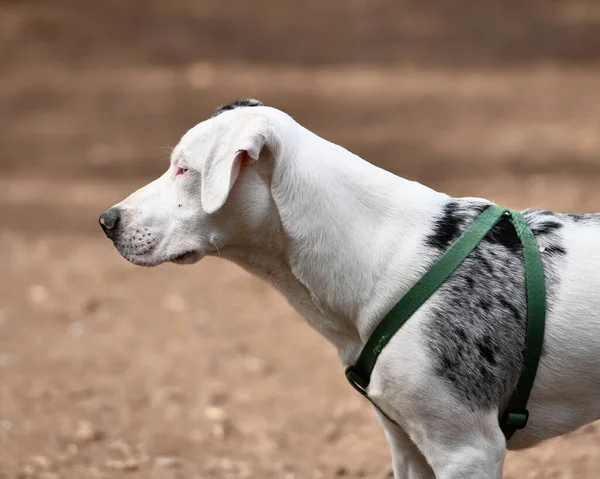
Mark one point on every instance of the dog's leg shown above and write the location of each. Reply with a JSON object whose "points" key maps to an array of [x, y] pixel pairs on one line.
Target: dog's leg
{"points": [[461, 446], [407, 460]]}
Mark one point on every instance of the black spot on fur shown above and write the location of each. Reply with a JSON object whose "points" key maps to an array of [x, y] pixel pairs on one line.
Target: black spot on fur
{"points": [[504, 234], [461, 334], [486, 264], [546, 228], [511, 308], [585, 218], [486, 350], [485, 373], [448, 363], [244, 102], [554, 249], [447, 228]]}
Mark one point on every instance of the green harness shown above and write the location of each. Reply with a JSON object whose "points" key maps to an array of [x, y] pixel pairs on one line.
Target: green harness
{"points": [[516, 415]]}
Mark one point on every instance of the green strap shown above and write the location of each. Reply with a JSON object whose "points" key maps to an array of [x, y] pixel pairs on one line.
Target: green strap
{"points": [[516, 416]]}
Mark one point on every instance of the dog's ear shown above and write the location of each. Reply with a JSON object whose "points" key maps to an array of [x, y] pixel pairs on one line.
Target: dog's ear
{"points": [[221, 171]]}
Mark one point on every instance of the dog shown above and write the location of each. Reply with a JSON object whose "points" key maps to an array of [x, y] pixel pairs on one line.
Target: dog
{"points": [[343, 240]]}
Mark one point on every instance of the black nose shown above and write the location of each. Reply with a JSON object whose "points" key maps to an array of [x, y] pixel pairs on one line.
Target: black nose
{"points": [[109, 220]]}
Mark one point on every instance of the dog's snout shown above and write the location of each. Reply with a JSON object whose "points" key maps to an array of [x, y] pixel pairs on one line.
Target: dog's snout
{"points": [[109, 221]]}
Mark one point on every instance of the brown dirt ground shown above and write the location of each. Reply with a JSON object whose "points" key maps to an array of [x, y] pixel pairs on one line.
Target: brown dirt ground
{"points": [[113, 371]]}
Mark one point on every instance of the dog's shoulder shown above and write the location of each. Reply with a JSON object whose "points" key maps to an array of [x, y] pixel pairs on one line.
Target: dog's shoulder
{"points": [[476, 324]]}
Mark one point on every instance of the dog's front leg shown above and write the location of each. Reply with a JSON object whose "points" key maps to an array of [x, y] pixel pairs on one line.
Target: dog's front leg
{"points": [[460, 444], [407, 460]]}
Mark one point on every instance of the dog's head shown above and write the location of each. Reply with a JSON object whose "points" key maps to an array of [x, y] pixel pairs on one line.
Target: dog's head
{"points": [[214, 192]]}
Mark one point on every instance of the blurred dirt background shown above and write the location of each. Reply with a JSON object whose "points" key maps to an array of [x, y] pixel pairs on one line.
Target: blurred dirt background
{"points": [[112, 371]]}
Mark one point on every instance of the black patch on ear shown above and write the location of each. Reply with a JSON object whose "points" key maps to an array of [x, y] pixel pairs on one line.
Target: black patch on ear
{"points": [[241, 103]]}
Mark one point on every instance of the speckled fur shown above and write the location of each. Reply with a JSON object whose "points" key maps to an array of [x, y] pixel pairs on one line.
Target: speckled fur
{"points": [[476, 333]]}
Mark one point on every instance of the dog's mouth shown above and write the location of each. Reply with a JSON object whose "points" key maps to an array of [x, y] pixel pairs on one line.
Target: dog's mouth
{"points": [[189, 257]]}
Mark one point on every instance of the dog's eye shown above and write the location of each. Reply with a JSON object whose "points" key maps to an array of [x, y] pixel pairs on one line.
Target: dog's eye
{"points": [[181, 171]]}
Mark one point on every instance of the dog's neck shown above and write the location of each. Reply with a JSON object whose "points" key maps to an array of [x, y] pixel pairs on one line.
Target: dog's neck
{"points": [[350, 238]]}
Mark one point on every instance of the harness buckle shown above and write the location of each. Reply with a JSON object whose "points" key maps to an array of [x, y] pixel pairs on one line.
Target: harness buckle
{"points": [[515, 419], [356, 380]]}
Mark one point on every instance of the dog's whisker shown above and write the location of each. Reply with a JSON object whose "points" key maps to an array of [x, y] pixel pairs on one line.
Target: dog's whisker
{"points": [[214, 243]]}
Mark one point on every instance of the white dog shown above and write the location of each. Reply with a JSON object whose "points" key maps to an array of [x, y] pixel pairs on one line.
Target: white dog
{"points": [[343, 240]]}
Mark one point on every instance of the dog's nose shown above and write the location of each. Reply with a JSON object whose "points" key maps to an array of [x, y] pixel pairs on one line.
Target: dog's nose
{"points": [[109, 221]]}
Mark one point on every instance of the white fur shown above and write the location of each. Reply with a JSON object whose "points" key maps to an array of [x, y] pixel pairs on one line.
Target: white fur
{"points": [[340, 238]]}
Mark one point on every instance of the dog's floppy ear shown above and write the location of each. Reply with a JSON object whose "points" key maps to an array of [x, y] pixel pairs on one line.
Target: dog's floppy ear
{"points": [[220, 172]]}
